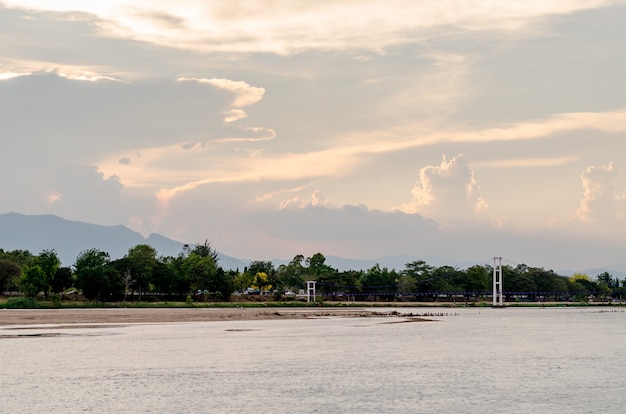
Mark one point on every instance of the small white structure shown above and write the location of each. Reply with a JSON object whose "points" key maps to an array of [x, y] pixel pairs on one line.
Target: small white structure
{"points": [[497, 282], [310, 290]]}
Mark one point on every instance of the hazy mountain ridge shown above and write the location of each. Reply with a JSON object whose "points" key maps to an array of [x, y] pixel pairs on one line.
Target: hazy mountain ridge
{"points": [[40, 232]]}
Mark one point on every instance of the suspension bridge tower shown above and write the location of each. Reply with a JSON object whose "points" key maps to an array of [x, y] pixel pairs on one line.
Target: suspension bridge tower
{"points": [[310, 291], [497, 283]]}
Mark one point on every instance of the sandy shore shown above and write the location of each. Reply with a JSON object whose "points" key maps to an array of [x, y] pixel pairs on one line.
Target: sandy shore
{"points": [[152, 315]]}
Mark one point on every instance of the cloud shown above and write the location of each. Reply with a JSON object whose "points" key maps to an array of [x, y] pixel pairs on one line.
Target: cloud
{"points": [[286, 27], [318, 198], [245, 94], [233, 115], [337, 160], [447, 193], [250, 134], [53, 197], [526, 162], [11, 75], [236, 226], [412, 135], [599, 203], [88, 77]]}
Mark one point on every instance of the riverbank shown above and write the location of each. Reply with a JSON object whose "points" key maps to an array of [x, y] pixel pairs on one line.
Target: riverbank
{"points": [[29, 311], [84, 316]]}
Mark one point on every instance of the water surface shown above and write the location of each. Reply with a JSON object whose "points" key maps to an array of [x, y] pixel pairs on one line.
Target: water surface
{"points": [[553, 360]]}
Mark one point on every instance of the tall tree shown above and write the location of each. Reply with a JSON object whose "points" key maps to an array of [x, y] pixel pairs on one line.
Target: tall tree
{"points": [[206, 250], [290, 275], [317, 266], [141, 260], [199, 271], [606, 284], [417, 273], [48, 261], [39, 275]]}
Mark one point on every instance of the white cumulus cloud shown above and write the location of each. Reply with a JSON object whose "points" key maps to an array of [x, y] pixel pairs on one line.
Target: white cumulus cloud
{"points": [[447, 192], [600, 203]]}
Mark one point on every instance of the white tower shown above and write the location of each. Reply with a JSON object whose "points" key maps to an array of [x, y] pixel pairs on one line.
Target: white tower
{"points": [[497, 282], [310, 290]]}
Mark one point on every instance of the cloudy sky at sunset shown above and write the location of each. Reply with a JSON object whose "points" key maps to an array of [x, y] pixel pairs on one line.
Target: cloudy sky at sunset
{"points": [[361, 129]]}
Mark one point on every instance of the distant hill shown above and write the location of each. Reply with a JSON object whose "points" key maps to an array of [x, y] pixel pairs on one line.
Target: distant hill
{"points": [[36, 233]]}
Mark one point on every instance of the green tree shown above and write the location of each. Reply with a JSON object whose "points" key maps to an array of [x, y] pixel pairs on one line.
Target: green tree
{"points": [[243, 281], [442, 280], [48, 261], [199, 271], [291, 274], [63, 279], [548, 283], [606, 284], [164, 277], [317, 269], [577, 289], [10, 272], [582, 286], [223, 284], [377, 280], [21, 257], [518, 281], [477, 279], [205, 250], [339, 284], [179, 283], [141, 261], [430, 281], [33, 281], [96, 277], [348, 282]]}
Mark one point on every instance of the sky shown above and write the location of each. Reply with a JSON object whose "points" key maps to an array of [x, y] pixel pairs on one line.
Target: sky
{"points": [[461, 130]]}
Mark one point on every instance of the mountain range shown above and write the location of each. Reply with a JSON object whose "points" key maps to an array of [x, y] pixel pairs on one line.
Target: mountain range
{"points": [[36, 233]]}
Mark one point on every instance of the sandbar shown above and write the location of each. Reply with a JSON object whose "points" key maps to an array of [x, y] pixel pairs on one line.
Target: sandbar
{"points": [[155, 315]]}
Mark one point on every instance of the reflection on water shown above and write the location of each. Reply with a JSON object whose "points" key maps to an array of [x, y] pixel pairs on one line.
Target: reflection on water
{"points": [[471, 361]]}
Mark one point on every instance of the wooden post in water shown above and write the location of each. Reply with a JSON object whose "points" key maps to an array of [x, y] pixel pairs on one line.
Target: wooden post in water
{"points": [[497, 282]]}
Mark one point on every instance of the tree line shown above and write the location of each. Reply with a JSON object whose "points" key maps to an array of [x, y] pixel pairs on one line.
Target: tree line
{"points": [[196, 271]]}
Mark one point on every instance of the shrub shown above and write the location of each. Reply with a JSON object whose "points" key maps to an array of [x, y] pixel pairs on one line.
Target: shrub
{"points": [[22, 303]]}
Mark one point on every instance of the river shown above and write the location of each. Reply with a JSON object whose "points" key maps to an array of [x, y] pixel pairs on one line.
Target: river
{"points": [[469, 360]]}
